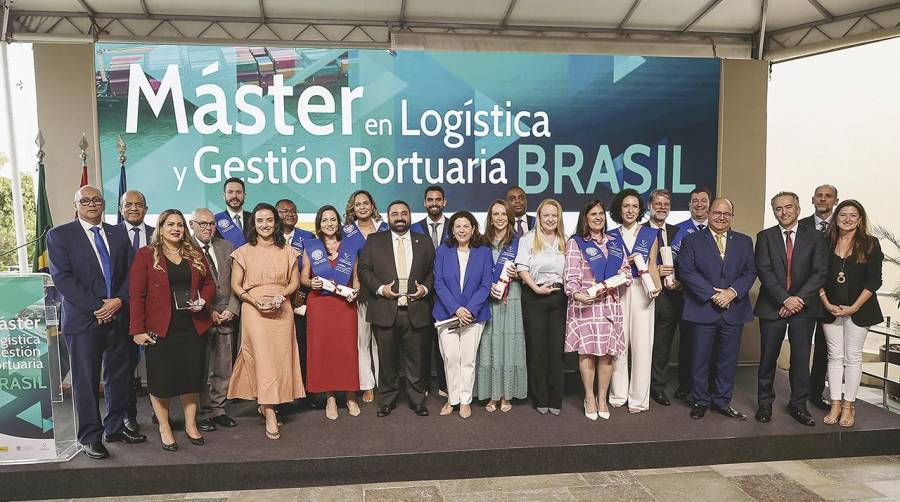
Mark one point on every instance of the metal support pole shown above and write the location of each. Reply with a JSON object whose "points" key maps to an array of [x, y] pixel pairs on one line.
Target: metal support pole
{"points": [[762, 29], [18, 210]]}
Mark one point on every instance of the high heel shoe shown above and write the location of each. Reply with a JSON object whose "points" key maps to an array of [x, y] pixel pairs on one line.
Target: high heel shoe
{"points": [[505, 406], [832, 418], [195, 441], [331, 412], [263, 415], [173, 446], [849, 421], [588, 414], [602, 414], [447, 409]]}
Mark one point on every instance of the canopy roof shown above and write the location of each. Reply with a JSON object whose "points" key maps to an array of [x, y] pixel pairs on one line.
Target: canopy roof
{"points": [[789, 28]]}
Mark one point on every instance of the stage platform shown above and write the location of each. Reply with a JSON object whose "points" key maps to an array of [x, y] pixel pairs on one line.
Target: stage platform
{"points": [[314, 451]]}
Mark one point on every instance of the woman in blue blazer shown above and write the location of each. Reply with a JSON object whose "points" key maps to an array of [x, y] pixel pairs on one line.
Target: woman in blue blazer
{"points": [[462, 283]]}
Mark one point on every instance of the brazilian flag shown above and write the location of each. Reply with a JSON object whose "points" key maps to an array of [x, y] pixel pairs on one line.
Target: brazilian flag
{"points": [[40, 261]]}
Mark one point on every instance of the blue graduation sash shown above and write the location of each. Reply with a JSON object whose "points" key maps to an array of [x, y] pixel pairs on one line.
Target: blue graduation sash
{"points": [[321, 267], [643, 242], [354, 240], [229, 230], [508, 253], [299, 239], [603, 267]]}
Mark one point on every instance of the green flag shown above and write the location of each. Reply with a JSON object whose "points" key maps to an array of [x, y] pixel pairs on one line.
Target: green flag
{"points": [[40, 261]]}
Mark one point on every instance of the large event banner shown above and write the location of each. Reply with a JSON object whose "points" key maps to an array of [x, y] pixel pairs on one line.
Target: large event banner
{"points": [[315, 124], [26, 413]]}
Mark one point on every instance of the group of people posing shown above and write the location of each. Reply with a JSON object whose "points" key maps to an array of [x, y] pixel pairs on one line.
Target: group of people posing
{"points": [[246, 305]]}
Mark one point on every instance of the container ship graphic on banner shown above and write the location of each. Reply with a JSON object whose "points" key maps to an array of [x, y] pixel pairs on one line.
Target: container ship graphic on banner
{"points": [[252, 65]]}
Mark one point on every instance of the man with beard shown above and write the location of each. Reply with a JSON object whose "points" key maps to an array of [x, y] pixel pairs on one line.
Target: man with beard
{"points": [[296, 237], [133, 207], [668, 308], [515, 197], [824, 200], [231, 224], [395, 268], [434, 226]]}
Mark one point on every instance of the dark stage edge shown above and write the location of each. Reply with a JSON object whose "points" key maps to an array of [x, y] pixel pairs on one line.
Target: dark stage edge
{"points": [[314, 451]]}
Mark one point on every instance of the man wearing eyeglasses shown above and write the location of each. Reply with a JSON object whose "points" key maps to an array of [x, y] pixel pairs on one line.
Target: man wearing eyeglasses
{"points": [[717, 269], [296, 237], [133, 207], [225, 309], [89, 264]]}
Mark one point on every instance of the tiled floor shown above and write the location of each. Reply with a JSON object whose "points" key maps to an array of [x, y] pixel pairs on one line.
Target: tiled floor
{"points": [[861, 478]]}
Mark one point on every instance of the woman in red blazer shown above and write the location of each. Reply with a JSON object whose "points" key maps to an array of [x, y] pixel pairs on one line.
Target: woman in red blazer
{"points": [[171, 288]]}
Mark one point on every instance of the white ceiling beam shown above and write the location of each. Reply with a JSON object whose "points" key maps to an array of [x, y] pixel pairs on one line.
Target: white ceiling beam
{"points": [[402, 12], [509, 11], [628, 15], [262, 11], [762, 28], [144, 8], [835, 19], [706, 10], [822, 10]]}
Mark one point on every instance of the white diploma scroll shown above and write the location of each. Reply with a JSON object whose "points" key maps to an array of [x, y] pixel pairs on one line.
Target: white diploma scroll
{"points": [[452, 323], [643, 271], [338, 289], [612, 282], [667, 259], [503, 283]]}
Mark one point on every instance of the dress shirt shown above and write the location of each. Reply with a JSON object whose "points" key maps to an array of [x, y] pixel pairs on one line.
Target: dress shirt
{"points": [[440, 228], [90, 235], [662, 231], [212, 252], [793, 231], [524, 220], [818, 221], [724, 241], [407, 242], [545, 267], [696, 223], [239, 215], [463, 257], [142, 234]]}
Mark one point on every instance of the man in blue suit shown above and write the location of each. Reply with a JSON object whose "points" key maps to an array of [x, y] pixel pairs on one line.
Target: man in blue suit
{"points": [[133, 207], [717, 269], [89, 264]]}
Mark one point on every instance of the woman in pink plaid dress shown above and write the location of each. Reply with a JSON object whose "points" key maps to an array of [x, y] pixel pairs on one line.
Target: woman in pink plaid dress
{"points": [[594, 323]]}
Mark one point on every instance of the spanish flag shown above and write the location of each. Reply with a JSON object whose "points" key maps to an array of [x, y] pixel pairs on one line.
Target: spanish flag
{"points": [[40, 262]]}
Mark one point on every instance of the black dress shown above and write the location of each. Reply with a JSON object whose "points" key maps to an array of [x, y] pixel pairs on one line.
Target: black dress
{"points": [[175, 363]]}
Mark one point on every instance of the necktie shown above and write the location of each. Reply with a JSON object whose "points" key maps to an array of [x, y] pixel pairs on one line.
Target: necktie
{"points": [[105, 263], [401, 266], [823, 226], [720, 243], [520, 228], [701, 227], [136, 240], [239, 222], [434, 235], [789, 250], [212, 264]]}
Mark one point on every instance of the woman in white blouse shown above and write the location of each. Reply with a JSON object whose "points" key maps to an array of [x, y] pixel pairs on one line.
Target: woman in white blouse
{"points": [[540, 262]]}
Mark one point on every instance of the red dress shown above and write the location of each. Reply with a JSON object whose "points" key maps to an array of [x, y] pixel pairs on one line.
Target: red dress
{"points": [[332, 356]]}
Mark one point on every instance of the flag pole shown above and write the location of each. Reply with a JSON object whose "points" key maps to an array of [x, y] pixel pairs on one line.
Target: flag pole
{"points": [[123, 183], [18, 210]]}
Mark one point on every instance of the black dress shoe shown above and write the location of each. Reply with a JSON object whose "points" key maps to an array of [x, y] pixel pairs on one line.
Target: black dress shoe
{"points": [[730, 413], [660, 397], [682, 394], [170, 447], [96, 450], [698, 411], [764, 414], [132, 425], [196, 441], [801, 416], [125, 436], [383, 411], [225, 421], [207, 425], [421, 410], [820, 403]]}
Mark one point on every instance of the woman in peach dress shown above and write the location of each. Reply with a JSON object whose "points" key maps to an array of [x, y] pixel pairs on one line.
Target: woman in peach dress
{"points": [[264, 273]]}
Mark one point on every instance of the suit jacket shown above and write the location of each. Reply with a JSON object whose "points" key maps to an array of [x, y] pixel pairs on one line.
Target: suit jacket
{"points": [[859, 276], [423, 228], [810, 221], [671, 232], [224, 299], [376, 267], [476, 284], [151, 296], [245, 220], [79, 278], [701, 269], [147, 227], [809, 267]]}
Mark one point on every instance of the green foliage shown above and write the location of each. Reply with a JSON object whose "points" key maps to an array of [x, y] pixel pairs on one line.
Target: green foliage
{"points": [[7, 224], [883, 233]]}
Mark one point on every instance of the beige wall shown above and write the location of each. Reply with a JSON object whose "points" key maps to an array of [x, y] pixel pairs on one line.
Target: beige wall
{"points": [[64, 81], [742, 157]]}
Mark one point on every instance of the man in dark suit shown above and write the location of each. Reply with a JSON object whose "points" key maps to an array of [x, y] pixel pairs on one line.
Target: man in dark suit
{"points": [[522, 223], [824, 199], [231, 224], [668, 307], [717, 270], [133, 207], [225, 308], [792, 264], [89, 264], [396, 270]]}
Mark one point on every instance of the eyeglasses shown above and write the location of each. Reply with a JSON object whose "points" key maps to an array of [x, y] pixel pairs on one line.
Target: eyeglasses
{"points": [[287, 211], [88, 202], [204, 224], [721, 214]]}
